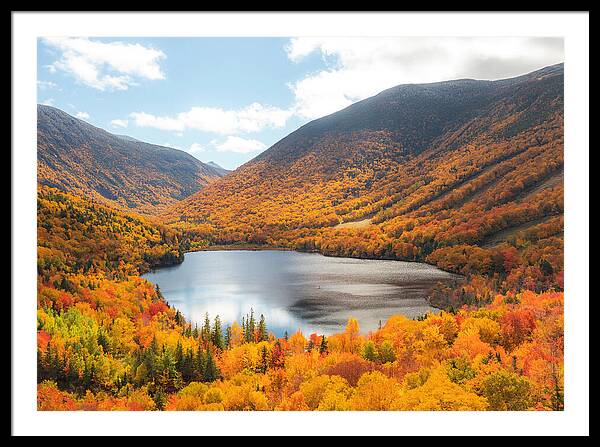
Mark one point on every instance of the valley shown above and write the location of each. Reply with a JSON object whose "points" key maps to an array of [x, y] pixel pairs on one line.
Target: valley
{"points": [[463, 179]]}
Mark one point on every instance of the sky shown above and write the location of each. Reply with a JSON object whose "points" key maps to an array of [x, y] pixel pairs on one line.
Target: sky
{"points": [[228, 99]]}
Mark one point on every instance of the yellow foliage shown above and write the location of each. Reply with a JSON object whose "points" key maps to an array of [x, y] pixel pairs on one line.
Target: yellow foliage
{"points": [[438, 393], [375, 391]]}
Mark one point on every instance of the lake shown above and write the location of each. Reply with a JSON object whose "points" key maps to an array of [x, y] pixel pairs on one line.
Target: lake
{"points": [[295, 290]]}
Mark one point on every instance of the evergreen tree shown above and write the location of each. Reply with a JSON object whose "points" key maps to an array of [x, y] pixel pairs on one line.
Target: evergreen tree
{"points": [[168, 377], [386, 352], [179, 319], [217, 335], [262, 329], [323, 345], [206, 329], [160, 399], [264, 360], [211, 371], [200, 364], [251, 326], [369, 351], [151, 358], [228, 337], [103, 341], [50, 361], [187, 369], [244, 329], [179, 356]]}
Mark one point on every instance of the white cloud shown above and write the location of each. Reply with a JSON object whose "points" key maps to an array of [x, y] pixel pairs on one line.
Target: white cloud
{"points": [[48, 102], [252, 118], [105, 66], [196, 148], [46, 85], [299, 48], [119, 123], [82, 115], [143, 119], [361, 67], [239, 145]]}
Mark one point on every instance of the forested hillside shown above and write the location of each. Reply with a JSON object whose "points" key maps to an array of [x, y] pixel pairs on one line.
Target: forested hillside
{"points": [[77, 157], [466, 174], [107, 339]]}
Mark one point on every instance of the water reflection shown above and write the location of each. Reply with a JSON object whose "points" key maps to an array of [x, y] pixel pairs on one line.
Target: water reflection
{"points": [[296, 290]]}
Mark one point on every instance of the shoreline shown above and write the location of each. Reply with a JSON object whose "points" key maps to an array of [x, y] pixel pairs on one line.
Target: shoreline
{"points": [[241, 247], [256, 247]]}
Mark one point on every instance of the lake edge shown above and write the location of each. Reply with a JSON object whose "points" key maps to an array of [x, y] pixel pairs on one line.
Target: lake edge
{"points": [[251, 248]]}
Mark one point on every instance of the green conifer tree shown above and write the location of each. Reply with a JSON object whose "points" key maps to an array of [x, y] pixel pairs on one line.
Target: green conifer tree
{"points": [[206, 332], [217, 334], [251, 326], [369, 351], [323, 345], [262, 329], [179, 356], [211, 371], [228, 337], [160, 399], [264, 360]]}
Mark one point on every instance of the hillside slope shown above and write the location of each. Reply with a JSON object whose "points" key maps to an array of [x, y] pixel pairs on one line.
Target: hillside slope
{"points": [[77, 157], [108, 340], [426, 171]]}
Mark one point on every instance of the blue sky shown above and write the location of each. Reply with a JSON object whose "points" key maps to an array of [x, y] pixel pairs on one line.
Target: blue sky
{"points": [[228, 99]]}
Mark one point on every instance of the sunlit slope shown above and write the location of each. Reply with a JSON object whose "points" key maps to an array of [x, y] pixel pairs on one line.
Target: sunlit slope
{"points": [[430, 165], [77, 157]]}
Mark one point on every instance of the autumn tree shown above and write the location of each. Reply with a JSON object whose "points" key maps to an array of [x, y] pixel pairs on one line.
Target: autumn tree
{"points": [[505, 391]]}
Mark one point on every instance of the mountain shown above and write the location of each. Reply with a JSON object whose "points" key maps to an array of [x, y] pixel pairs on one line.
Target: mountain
{"points": [[77, 157], [127, 138], [219, 168], [417, 172]]}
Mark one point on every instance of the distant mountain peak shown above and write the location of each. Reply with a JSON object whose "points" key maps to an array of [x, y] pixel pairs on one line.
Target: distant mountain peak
{"points": [[218, 167]]}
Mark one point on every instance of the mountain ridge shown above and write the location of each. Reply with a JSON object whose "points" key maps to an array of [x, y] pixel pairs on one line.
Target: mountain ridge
{"points": [[347, 112], [428, 174], [76, 156]]}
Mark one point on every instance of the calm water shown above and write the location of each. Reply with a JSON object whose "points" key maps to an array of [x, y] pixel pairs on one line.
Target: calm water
{"points": [[296, 290]]}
